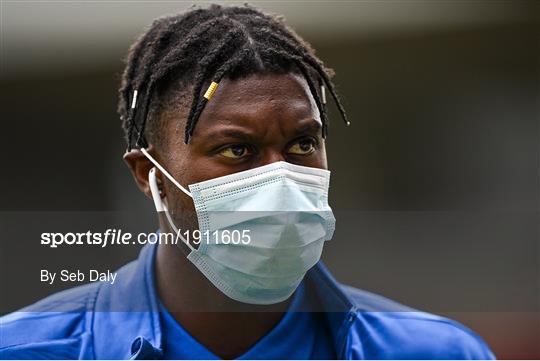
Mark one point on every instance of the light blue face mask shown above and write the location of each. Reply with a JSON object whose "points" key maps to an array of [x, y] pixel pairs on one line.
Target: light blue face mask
{"points": [[265, 228]]}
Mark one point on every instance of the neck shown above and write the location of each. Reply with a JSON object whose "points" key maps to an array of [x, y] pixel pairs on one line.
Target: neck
{"points": [[225, 327]]}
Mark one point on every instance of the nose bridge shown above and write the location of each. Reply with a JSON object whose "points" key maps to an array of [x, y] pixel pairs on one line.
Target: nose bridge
{"points": [[271, 155]]}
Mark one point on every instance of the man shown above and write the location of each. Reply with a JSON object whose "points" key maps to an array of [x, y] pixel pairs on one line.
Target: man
{"points": [[231, 102]]}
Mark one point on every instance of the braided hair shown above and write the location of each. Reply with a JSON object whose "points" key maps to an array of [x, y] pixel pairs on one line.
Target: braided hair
{"points": [[189, 51]]}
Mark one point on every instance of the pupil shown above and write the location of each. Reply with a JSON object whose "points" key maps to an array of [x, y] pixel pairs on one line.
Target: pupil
{"points": [[305, 145], [238, 150]]}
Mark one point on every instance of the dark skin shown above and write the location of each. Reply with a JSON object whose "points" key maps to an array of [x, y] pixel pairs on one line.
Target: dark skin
{"points": [[249, 122]]}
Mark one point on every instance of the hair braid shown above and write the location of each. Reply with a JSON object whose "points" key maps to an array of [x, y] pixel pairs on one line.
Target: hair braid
{"points": [[305, 73], [186, 51], [231, 63], [166, 65], [198, 103], [317, 66]]}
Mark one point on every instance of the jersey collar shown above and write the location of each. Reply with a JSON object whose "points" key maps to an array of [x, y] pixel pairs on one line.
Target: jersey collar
{"points": [[126, 320]]}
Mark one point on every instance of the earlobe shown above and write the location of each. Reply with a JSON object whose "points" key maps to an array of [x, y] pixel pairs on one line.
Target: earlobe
{"points": [[139, 166]]}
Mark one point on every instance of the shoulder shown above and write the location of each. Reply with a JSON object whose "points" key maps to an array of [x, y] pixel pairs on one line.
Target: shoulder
{"points": [[62, 326], [387, 329], [54, 327]]}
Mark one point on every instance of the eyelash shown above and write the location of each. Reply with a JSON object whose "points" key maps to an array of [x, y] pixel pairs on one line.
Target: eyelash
{"points": [[251, 149], [314, 143], [221, 148]]}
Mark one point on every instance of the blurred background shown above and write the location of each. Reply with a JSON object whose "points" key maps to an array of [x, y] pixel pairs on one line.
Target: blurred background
{"points": [[435, 185]]}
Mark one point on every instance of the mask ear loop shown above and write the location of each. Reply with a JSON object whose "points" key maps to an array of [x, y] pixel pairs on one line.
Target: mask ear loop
{"points": [[167, 174], [162, 207]]}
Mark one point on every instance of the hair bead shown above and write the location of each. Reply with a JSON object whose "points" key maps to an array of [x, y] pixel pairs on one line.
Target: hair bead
{"points": [[134, 101], [211, 90]]}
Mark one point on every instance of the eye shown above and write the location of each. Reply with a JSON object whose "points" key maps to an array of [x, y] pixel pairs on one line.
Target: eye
{"points": [[303, 147], [235, 151]]}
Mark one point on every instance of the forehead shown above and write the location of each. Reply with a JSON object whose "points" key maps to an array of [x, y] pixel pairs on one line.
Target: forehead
{"points": [[259, 100], [258, 87]]}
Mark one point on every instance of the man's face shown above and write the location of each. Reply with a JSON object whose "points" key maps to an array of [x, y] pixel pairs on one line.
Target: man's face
{"points": [[248, 123]]}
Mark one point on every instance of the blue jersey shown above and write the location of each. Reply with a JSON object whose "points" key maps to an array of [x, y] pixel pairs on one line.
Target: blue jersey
{"points": [[299, 335], [122, 321]]}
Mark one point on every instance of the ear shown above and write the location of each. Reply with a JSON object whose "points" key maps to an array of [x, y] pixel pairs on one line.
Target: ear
{"points": [[140, 166]]}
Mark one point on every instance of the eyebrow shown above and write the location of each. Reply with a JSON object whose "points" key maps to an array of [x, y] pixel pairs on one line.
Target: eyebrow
{"points": [[309, 125], [312, 126], [230, 133]]}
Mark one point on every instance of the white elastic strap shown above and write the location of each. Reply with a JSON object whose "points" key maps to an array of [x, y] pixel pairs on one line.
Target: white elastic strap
{"points": [[162, 207], [176, 231], [167, 174], [155, 190], [323, 94]]}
